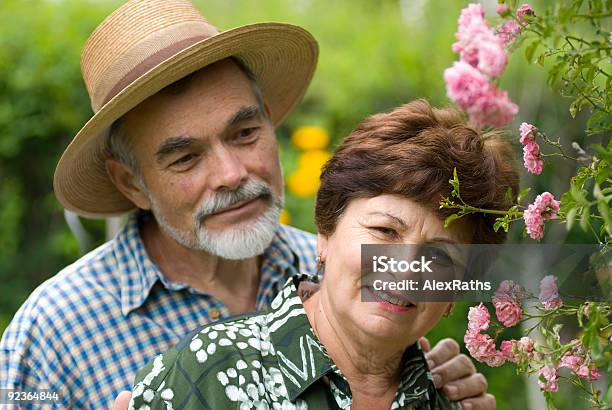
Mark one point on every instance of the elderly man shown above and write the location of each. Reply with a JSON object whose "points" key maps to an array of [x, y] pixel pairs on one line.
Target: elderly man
{"points": [[183, 131]]}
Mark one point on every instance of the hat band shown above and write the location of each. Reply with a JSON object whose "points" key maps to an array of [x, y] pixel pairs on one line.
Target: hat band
{"points": [[150, 62]]}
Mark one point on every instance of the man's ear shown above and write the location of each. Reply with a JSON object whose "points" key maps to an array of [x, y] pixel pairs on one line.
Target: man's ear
{"points": [[322, 246], [123, 178]]}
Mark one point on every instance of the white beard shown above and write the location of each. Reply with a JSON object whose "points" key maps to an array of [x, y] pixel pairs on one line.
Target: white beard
{"points": [[241, 241]]}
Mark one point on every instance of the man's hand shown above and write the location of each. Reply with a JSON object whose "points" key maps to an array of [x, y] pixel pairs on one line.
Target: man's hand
{"points": [[456, 375], [122, 401]]}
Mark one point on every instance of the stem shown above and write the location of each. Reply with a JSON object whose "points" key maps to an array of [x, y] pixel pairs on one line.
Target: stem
{"points": [[556, 144], [577, 39], [594, 233], [558, 155], [576, 383], [593, 16]]}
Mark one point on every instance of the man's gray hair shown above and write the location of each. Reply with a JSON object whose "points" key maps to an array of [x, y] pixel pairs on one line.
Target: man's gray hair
{"points": [[118, 142]]}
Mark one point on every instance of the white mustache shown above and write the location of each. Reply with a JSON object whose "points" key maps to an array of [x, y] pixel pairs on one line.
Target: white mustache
{"points": [[248, 191]]}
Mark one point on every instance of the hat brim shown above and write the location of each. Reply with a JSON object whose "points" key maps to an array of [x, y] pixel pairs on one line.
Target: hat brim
{"points": [[282, 57]]}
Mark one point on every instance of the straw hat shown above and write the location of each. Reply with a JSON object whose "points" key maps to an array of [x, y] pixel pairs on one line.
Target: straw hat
{"points": [[146, 45]]}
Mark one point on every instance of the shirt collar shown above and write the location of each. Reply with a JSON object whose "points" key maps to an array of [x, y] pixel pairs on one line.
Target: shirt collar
{"points": [[139, 273], [303, 360]]}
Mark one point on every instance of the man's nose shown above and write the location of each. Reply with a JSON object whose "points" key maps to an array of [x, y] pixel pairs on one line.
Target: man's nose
{"points": [[227, 169]]}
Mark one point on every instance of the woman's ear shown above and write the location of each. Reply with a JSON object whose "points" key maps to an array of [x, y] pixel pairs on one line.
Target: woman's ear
{"points": [[322, 246]]}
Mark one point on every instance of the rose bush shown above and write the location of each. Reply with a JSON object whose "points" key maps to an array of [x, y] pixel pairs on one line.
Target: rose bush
{"points": [[571, 42]]}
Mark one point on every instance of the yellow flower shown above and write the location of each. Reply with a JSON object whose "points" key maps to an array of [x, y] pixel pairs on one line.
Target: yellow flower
{"points": [[284, 217], [303, 182], [307, 138], [313, 161]]}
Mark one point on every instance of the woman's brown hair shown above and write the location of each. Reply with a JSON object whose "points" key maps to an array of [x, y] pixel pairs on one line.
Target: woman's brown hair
{"points": [[412, 151]]}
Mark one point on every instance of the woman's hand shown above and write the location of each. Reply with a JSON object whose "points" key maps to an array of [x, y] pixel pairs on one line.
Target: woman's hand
{"points": [[456, 375]]}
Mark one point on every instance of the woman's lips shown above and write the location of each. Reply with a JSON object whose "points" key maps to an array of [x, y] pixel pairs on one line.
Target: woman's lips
{"points": [[391, 301]]}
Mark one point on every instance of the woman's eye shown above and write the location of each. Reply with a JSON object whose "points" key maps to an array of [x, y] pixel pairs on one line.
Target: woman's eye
{"points": [[439, 255], [389, 232]]}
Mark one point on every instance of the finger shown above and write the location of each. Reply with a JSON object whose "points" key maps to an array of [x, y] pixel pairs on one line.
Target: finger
{"points": [[484, 402], [123, 400], [443, 351], [456, 369], [474, 385], [425, 345]]}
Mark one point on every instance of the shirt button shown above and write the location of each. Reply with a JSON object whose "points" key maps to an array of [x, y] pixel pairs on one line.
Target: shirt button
{"points": [[214, 313]]}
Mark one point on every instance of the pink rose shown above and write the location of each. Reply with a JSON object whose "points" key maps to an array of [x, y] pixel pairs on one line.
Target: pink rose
{"points": [[502, 9], [511, 350], [545, 207], [478, 318], [532, 160], [472, 92], [548, 205], [526, 345], [549, 376], [523, 11], [508, 32], [507, 350], [494, 360], [509, 290], [493, 107], [506, 303], [549, 292], [492, 57], [465, 84], [477, 44], [528, 133], [482, 348], [571, 361], [588, 373], [508, 313]]}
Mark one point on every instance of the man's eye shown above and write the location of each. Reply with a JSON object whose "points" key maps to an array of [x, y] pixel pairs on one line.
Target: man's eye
{"points": [[184, 159], [247, 133]]}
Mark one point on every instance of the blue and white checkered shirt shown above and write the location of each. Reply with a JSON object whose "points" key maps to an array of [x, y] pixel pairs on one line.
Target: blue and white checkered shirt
{"points": [[86, 332]]}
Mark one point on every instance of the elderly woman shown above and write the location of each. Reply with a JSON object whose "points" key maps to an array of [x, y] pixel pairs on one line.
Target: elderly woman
{"points": [[321, 346]]}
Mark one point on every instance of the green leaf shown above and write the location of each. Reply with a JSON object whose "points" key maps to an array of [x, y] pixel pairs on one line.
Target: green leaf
{"points": [[604, 211], [570, 218], [578, 195], [502, 222], [603, 153], [449, 219], [584, 218], [530, 51], [455, 183], [522, 194], [508, 195], [576, 106], [597, 191]]}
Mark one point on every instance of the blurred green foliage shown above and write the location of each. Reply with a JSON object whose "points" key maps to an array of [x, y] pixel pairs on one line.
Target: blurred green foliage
{"points": [[373, 56]]}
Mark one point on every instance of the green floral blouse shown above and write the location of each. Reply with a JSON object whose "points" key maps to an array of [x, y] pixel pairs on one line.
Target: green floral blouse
{"points": [[269, 360]]}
